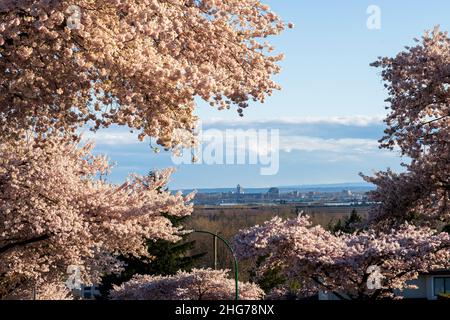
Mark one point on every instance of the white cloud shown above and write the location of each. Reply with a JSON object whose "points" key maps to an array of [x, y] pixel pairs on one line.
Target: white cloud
{"points": [[303, 143], [111, 137], [295, 143], [357, 120], [335, 134]]}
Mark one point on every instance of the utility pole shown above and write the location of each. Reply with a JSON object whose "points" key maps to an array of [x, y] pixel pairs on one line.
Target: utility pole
{"points": [[236, 265], [33, 292], [215, 252]]}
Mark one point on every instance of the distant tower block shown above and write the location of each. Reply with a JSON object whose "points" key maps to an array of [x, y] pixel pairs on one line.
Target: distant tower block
{"points": [[239, 189], [273, 193]]}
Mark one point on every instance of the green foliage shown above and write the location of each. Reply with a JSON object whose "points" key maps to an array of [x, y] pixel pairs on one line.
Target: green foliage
{"points": [[271, 279], [168, 259], [274, 278], [347, 225], [446, 229]]}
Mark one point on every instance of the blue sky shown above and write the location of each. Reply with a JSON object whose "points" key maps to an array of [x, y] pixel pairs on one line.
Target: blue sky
{"points": [[330, 108]]}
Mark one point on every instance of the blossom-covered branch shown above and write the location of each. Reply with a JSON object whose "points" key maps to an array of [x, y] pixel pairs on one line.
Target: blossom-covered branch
{"points": [[322, 261], [418, 81], [200, 284], [136, 63], [56, 212]]}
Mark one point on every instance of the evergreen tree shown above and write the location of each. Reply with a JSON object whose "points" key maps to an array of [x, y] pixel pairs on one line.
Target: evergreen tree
{"points": [[168, 258], [348, 225], [446, 229], [271, 278]]}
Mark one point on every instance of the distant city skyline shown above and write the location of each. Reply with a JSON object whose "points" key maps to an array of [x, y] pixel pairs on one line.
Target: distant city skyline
{"points": [[331, 195], [306, 187]]}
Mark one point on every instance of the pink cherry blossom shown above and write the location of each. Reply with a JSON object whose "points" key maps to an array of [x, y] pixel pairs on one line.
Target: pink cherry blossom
{"points": [[418, 81], [56, 212], [165, 52], [322, 261], [200, 284]]}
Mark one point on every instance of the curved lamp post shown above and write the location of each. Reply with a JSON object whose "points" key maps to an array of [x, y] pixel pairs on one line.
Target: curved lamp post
{"points": [[236, 266]]}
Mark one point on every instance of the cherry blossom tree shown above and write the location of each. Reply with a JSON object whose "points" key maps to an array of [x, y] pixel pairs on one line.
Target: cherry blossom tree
{"points": [[137, 63], [57, 211], [418, 195], [400, 240], [67, 63], [200, 284], [53, 291], [45, 291], [418, 82], [343, 264]]}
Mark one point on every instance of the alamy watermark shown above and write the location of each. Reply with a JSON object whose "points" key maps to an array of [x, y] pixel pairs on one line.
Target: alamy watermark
{"points": [[375, 278], [374, 19], [259, 147], [73, 281]]}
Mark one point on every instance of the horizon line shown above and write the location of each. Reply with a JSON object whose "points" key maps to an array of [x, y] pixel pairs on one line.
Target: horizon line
{"points": [[361, 184]]}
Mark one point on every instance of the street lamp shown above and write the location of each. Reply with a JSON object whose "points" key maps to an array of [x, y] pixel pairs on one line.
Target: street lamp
{"points": [[236, 266]]}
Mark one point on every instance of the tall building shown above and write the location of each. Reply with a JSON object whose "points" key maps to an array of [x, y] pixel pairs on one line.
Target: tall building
{"points": [[239, 189], [273, 193], [347, 193]]}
